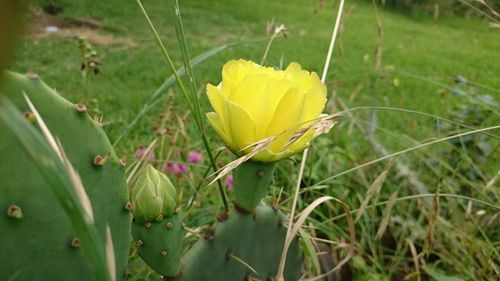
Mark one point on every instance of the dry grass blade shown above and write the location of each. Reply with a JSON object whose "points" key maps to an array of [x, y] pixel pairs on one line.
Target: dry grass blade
{"points": [[56, 146], [76, 182], [432, 225], [297, 226], [110, 254], [387, 215], [352, 233], [491, 182], [289, 233], [257, 147], [320, 126], [414, 254], [45, 130], [332, 41], [244, 263], [374, 189]]}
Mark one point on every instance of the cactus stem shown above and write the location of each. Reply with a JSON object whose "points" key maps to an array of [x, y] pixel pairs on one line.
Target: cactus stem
{"points": [[80, 107], [30, 116], [163, 253], [15, 212], [100, 160], [139, 243], [75, 242], [169, 225], [252, 180]]}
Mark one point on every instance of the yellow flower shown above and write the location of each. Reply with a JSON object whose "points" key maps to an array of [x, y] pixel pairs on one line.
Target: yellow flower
{"points": [[254, 102]]}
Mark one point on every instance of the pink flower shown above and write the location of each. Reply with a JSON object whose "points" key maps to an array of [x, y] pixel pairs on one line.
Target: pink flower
{"points": [[175, 169], [229, 182], [140, 153], [183, 169], [194, 157]]}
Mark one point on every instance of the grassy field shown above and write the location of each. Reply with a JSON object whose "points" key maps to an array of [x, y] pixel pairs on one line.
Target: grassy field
{"points": [[418, 60]]}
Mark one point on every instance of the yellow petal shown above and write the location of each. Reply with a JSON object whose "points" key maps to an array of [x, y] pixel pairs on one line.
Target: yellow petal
{"points": [[300, 144], [286, 118], [216, 99], [259, 95], [314, 103], [218, 126], [234, 72], [267, 156], [241, 127], [293, 67]]}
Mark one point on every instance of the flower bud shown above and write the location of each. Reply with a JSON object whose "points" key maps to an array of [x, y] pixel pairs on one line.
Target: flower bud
{"points": [[153, 195]]}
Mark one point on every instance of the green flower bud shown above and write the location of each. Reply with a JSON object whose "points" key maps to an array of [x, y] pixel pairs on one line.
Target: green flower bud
{"points": [[153, 195]]}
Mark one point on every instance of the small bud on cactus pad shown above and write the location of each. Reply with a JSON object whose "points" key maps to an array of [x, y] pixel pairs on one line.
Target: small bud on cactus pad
{"points": [[153, 195]]}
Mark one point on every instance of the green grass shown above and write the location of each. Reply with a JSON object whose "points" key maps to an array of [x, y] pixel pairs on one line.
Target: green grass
{"points": [[424, 56], [438, 52]]}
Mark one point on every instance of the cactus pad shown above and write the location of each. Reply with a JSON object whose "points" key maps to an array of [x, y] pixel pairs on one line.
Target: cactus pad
{"points": [[36, 237], [253, 239], [160, 243]]}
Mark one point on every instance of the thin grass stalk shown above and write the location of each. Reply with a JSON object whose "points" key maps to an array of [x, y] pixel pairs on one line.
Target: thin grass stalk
{"points": [[281, 269], [166, 56], [181, 38], [398, 109], [417, 196], [401, 152], [186, 95]]}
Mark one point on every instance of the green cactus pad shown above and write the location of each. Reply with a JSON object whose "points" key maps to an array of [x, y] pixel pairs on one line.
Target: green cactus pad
{"points": [[254, 239], [40, 244], [160, 243], [251, 183]]}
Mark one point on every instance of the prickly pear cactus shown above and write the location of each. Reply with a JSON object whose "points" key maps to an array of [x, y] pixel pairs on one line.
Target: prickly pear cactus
{"points": [[36, 238], [243, 247]]}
